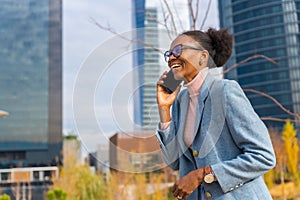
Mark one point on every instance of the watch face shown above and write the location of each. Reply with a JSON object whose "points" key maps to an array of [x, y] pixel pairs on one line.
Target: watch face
{"points": [[209, 178]]}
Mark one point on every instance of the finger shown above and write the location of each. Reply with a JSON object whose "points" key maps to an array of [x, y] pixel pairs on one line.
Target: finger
{"points": [[180, 196], [185, 197], [160, 82], [177, 191], [160, 88], [174, 188], [162, 77], [164, 74]]}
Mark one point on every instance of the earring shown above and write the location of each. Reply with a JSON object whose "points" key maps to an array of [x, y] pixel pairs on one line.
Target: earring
{"points": [[201, 62]]}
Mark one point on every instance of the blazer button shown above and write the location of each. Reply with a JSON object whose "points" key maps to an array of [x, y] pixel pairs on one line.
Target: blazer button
{"points": [[195, 153], [208, 195]]}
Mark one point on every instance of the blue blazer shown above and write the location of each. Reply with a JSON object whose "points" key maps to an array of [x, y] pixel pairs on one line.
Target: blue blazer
{"points": [[229, 136]]}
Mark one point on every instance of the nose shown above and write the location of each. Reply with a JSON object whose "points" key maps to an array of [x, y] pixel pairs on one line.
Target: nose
{"points": [[171, 58]]}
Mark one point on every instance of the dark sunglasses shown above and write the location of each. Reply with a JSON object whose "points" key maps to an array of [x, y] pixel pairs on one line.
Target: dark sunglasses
{"points": [[177, 50]]}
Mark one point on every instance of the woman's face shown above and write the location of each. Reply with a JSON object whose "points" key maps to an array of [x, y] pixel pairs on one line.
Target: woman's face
{"points": [[186, 66]]}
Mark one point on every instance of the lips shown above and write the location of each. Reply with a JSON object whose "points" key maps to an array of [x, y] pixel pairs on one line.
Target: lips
{"points": [[175, 65]]}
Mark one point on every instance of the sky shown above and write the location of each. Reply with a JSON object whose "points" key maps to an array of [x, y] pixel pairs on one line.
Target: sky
{"points": [[94, 62]]}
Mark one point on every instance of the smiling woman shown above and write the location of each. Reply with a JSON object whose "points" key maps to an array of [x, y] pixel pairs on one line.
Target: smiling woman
{"points": [[209, 131]]}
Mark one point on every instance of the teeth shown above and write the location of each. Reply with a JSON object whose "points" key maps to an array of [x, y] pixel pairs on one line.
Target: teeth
{"points": [[175, 66]]}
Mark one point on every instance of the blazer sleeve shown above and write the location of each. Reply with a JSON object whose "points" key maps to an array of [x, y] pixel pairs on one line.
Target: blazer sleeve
{"points": [[168, 140], [250, 135]]}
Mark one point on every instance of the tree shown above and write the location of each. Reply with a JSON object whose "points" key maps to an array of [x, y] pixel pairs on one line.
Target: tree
{"points": [[57, 194], [78, 181], [292, 149], [4, 197]]}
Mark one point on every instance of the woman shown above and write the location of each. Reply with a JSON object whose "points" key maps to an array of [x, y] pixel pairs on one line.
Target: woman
{"points": [[213, 137]]}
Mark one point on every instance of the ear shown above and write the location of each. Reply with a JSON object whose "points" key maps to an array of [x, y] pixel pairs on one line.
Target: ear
{"points": [[204, 56]]}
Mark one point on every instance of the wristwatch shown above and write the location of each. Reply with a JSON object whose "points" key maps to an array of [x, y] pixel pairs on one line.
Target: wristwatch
{"points": [[209, 176]]}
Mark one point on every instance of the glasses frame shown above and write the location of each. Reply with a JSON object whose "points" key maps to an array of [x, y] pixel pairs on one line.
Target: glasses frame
{"points": [[170, 52]]}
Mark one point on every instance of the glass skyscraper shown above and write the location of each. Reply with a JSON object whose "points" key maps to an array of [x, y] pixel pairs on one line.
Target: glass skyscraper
{"points": [[150, 19], [31, 82], [269, 28]]}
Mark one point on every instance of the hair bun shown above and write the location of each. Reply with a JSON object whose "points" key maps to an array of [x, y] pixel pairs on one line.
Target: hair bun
{"points": [[221, 42]]}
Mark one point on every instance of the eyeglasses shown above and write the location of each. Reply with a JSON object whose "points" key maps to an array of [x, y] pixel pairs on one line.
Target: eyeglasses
{"points": [[177, 50]]}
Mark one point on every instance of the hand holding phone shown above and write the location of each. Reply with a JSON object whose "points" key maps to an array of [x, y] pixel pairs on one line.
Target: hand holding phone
{"points": [[170, 83]]}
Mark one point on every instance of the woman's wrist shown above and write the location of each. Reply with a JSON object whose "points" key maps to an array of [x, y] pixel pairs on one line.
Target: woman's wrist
{"points": [[164, 113], [200, 175]]}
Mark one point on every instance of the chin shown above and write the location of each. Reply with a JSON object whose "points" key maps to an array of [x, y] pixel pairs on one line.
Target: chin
{"points": [[178, 77]]}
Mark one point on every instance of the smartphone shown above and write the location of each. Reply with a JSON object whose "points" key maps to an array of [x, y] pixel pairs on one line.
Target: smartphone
{"points": [[170, 83]]}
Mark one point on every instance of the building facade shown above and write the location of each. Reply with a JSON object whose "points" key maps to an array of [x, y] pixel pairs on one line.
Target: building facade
{"points": [[135, 152], [269, 28], [31, 83], [155, 28]]}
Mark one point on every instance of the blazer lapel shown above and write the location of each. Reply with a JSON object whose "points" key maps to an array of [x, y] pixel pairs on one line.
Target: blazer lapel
{"points": [[201, 101], [184, 104]]}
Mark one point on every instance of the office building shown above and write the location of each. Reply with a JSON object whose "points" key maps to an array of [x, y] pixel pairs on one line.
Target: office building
{"points": [[31, 83], [150, 19], [269, 28]]}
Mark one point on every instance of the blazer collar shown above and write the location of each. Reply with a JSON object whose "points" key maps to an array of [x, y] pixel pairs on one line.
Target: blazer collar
{"points": [[184, 102], [205, 90], [206, 87]]}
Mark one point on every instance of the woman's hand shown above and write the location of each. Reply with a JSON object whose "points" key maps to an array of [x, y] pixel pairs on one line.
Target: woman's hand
{"points": [[164, 99], [187, 184]]}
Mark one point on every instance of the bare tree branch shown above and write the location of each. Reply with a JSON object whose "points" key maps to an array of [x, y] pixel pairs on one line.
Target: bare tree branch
{"points": [[194, 19], [247, 59], [278, 119], [109, 29], [171, 15], [177, 15], [206, 13], [197, 10], [147, 45], [274, 100], [165, 24]]}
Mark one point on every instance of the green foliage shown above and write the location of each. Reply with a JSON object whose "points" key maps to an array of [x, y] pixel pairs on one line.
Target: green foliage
{"points": [[4, 197], [70, 137], [78, 180], [57, 194]]}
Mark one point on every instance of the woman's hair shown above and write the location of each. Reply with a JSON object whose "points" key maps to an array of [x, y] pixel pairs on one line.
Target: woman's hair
{"points": [[218, 43]]}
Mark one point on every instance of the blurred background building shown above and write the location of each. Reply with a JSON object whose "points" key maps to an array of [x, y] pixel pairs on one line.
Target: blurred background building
{"points": [[31, 83], [31, 92], [270, 28], [135, 152], [155, 29]]}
